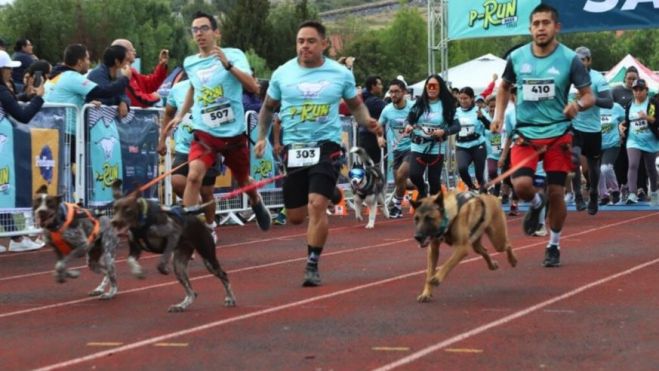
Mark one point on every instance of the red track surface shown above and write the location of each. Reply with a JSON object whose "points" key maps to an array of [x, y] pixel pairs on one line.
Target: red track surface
{"points": [[597, 311]]}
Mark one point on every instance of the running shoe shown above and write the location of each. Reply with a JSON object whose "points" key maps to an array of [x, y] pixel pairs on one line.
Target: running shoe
{"points": [[541, 232], [654, 199], [605, 200], [532, 217], [311, 276], [615, 197], [579, 203], [395, 212], [552, 257], [569, 198], [592, 204], [641, 195], [514, 211], [632, 199], [280, 219]]}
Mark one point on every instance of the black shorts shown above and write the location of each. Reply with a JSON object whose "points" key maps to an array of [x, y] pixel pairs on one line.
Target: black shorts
{"points": [[590, 143], [400, 157], [320, 178], [209, 178]]}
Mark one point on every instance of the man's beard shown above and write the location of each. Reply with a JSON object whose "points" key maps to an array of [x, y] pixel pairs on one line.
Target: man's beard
{"points": [[545, 43]]}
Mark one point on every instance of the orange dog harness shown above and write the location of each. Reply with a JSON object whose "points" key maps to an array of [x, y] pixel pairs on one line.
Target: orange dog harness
{"points": [[73, 211]]}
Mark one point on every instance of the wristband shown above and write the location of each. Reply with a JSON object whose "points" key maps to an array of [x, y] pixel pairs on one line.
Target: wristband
{"points": [[229, 66]]}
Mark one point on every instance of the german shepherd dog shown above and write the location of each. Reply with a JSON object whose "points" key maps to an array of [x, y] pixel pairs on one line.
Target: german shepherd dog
{"points": [[368, 186], [153, 229], [74, 232], [460, 220]]}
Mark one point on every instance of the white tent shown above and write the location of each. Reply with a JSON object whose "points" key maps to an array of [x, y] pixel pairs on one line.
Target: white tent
{"points": [[616, 74], [476, 73]]}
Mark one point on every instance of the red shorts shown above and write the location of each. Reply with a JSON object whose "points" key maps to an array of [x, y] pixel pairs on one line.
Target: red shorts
{"points": [[234, 150], [557, 158]]}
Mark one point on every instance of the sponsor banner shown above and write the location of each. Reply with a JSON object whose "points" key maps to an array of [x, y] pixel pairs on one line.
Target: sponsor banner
{"points": [[489, 18], [120, 149], [7, 171], [265, 167], [45, 162]]}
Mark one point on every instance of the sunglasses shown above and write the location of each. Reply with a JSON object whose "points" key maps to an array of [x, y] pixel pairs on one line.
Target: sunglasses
{"points": [[432, 86]]}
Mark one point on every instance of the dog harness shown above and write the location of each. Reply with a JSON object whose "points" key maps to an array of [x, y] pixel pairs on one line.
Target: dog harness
{"points": [[371, 174], [73, 212], [463, 198]]}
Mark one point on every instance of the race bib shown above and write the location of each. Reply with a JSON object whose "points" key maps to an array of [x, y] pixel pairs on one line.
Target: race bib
{"points": [[496, 142], [466, 129], [639, 125], [606, 119], [300, 156], [217, 114], [538, 90], [427, 130]]}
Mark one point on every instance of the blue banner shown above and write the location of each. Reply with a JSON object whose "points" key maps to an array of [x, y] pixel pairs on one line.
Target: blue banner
{"points": [[120, 149], [33, 155], [265, 167], [489, 18]]}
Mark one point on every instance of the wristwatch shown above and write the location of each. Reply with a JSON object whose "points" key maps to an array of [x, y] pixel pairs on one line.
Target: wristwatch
{"points": [[229, 66]]}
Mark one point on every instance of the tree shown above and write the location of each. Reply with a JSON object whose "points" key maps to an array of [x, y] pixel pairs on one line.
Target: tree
{"points": [[284, 20], [245, 25], [259, 65]]}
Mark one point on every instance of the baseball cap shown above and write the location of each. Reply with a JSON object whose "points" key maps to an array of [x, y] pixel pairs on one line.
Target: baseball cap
{"points": [[479, 97], [639, 83], [583, 52], [6, 62]]}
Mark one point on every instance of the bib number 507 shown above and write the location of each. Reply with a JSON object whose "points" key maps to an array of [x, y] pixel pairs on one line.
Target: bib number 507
{"points": [[219, 114]]}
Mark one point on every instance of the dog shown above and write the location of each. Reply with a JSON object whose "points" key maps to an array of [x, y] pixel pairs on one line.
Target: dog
{"points": [[368, 186], [178, 233], [460, 220], [74, 232]]}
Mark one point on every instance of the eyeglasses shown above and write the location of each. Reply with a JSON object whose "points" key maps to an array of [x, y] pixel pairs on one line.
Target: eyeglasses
{"points": [[204, 28], [432, 86], [395, 91]]}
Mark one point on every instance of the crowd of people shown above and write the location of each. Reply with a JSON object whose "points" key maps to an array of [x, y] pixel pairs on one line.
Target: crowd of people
{"points": [[529, 124]]}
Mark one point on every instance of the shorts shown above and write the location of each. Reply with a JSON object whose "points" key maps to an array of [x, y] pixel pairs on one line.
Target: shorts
{"points": [[557, 158], [590, 143], [211, 173], [235, 151], [320, 178], [400, 157]]}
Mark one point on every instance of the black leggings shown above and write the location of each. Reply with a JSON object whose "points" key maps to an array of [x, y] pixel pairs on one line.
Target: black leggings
{"points": [[418, 165], [465, 156]]}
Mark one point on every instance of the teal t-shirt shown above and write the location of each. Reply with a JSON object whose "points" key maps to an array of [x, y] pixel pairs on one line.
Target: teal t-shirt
{"points": [[428, 121], [543, 85], [310, 100], [611, 118], [469, 125], [183, 132], [394, 120], [589, 121], [218, 95], [68, 87], [640, 137]]}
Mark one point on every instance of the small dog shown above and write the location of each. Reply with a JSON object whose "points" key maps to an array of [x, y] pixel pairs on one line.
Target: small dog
{"points": [[460, 220], [368, 185], [153, 229], [74, 232]]}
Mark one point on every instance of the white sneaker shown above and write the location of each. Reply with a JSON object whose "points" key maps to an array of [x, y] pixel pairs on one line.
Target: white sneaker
{"points": [[569, 198], [212, 228], [25, 244], [541, 232], [632, 199], [2, 248], [654, 199], [39, 242]]}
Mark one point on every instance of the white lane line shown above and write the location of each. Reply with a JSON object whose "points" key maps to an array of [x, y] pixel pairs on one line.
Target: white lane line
{"points": [[282, 307], [465, 335], [170, 283], [153, 256]]}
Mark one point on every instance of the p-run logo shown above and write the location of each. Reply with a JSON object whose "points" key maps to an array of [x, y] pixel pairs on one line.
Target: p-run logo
{"points": [[601, 6]]}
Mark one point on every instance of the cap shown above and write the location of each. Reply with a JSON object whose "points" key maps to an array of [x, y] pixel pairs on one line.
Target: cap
{"points": [[583, 52], [639, 83], [6, 62], [479, 97]]}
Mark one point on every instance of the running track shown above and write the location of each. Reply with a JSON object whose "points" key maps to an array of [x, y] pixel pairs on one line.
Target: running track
{"points": [[597, 311]]}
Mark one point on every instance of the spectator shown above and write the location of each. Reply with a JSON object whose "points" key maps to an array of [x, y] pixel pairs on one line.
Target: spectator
{"points": [[252, 100], [10, 106], [372, 99], [28, 79], [22, 53], [142, 88], [114, 59], [623, 94]]}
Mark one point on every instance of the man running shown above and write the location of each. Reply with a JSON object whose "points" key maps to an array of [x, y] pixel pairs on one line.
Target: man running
{"points": [[308, 90], [543, 71]]}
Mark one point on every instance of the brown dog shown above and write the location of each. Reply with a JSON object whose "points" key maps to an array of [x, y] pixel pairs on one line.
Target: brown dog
{"points": [[153, 229], [460, 220]]}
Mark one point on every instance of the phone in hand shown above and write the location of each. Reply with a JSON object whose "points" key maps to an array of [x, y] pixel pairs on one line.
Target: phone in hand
{"points": [[37, 79]]}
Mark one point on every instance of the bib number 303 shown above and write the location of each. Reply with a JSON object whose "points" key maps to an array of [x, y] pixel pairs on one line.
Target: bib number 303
{"points": [[299, 157]]}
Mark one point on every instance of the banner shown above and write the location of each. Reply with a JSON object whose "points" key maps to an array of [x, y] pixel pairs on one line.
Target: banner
{"points": [[490, 18], [265, 167], [120, 149], [35, 154]]}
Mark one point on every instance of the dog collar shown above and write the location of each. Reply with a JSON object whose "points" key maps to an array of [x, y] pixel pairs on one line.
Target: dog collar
{"points": [[443, 226]]}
